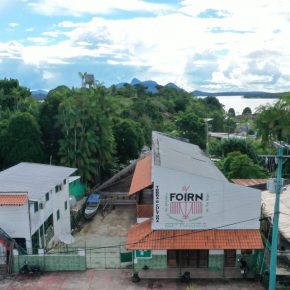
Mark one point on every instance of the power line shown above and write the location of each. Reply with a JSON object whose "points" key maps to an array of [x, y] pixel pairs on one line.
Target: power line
{"points": [[180, 235]]}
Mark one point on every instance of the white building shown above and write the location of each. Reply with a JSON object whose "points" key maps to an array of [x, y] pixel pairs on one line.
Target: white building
{"points": [[189, 215], [34, 204]]}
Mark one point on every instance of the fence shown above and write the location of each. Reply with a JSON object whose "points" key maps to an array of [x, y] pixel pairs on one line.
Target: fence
{"points": [[100, 258], [66, 258]]}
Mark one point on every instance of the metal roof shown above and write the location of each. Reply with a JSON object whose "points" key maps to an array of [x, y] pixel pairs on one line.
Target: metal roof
{"points": [[250, 181], [36, 179], [268, 202], [176, 154]]}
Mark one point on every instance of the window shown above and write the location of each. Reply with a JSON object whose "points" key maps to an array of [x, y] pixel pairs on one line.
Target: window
{"points": [[35, 206], [58, 188], [58, 215], [47, 196], [41, 205], [64, 181], [65, 205]]}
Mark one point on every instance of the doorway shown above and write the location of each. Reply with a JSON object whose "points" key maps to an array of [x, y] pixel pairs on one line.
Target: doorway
{"points": [[187, 258], [230, 258]]}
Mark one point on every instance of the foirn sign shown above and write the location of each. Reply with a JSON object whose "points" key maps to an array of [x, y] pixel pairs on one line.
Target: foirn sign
{"points": [[183, 203]]}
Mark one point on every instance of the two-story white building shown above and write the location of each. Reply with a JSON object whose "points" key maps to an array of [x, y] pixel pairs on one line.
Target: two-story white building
{"points": [[34, 205]]}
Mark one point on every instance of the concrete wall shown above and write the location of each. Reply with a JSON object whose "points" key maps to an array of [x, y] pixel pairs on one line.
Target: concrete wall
{"points": [[14, 220], [156, 262], [52, 262], [215, 260]]}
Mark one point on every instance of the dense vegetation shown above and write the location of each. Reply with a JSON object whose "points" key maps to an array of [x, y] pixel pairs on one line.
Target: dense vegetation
{"points": [[99, 130]]}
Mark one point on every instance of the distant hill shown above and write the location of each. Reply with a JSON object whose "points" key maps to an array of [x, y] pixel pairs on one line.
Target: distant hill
{"points": [[254, 94], [152, 86], [39, 94]]}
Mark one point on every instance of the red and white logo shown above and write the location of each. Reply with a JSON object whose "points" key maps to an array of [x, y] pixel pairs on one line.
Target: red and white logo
{"points": [[185, 204]]}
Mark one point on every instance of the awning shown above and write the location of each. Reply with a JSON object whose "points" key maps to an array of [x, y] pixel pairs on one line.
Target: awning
{"points": [[142, 237], [142, 177]]}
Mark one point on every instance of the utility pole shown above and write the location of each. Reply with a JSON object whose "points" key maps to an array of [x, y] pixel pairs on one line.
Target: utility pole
{"points": [[275, 230]]}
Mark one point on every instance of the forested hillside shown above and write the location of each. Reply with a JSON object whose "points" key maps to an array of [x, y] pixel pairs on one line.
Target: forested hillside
{"points": [[99, 130]]}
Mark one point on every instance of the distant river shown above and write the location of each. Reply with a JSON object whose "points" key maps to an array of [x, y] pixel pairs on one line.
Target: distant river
{"points": [[239, 103]]}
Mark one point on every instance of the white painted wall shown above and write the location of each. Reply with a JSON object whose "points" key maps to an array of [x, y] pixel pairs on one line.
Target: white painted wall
{"points": [[223, 203], [62, 227], [14, 220], [216, 252], [159, 252]]}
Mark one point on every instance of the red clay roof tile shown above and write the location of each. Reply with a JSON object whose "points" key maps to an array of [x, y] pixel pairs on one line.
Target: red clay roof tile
{"points": [[142, 237], [13, 199], [142, 177]]}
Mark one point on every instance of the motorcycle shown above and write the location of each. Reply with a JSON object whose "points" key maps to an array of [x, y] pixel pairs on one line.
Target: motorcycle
{"points": [[30, 269], [244, 267]]}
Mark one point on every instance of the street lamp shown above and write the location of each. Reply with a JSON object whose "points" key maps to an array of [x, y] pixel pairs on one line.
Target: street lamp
{"points": [[206, 120]]}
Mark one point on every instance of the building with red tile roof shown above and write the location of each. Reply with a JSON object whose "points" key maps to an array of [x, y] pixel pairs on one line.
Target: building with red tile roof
{"points": [[34, 206], [188, 214]]}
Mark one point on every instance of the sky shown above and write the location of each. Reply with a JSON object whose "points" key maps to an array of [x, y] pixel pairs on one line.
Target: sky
{"points": [[204, 45]]}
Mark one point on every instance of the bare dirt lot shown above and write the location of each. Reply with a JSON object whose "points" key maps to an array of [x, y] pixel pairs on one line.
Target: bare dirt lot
{"points": [[109, 230], [101, 232]]}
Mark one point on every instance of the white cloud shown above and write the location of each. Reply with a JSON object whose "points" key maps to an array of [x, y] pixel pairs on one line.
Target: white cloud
{"points": [[13, 24], [38, 40], [246, 50], [78, 7]]}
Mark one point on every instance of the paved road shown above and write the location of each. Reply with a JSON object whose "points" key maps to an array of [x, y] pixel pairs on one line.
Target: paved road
{"points": [[114, 280]]}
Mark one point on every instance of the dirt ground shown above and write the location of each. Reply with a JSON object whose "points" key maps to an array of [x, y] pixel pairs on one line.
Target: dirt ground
{"points": [[115, 280], [109, 230]]}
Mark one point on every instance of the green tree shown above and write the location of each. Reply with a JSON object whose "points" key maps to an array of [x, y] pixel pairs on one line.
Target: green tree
{"points": [[213, 103], [224, 147], [247, 111], [11, 93], [129, 139], [237, 165], [273, 122], [193, 128], [22, 140], [51, 132], [231, 112], [87, 142]]}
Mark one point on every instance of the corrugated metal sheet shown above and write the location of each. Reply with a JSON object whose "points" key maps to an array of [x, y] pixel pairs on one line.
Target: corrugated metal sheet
{"points": [[36, 179], [249, 182], [142, 237], [181, 156], [142, 177], [268, 202]]}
